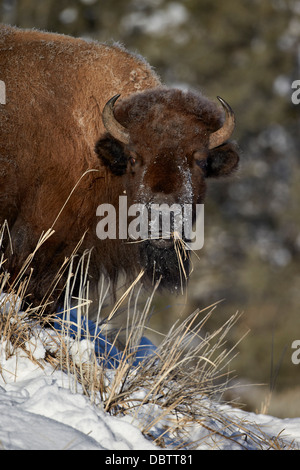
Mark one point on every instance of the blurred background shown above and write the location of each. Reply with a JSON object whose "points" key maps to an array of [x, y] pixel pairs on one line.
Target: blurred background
{"points": [[248, 52]]}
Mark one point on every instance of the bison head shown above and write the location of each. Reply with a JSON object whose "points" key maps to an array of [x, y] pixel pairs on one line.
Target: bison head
{"points": [[161, 145]]}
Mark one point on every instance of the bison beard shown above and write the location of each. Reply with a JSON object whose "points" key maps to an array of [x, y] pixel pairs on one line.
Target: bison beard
{"points": [[167, 266], [165, 258]]}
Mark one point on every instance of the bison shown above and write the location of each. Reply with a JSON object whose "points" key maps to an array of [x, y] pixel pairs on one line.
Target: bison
{"points": [[84, 123]]}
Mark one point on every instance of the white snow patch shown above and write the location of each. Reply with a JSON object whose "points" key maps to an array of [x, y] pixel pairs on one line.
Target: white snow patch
{"points": [[41, 408], [39, 411]]}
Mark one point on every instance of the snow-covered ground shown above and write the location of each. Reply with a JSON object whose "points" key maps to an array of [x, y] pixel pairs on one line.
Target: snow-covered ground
{"points": [[42, 408], [38, 411]]}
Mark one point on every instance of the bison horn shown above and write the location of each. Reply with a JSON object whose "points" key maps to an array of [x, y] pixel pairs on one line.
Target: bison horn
{"points": [[221, 135], [111, 124]]}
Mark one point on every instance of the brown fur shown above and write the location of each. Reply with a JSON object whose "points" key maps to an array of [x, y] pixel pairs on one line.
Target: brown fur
{"points": [[51, 133]]}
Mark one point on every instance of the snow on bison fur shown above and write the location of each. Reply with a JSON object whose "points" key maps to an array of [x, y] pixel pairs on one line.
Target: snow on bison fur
{"points": [[61, 117]]}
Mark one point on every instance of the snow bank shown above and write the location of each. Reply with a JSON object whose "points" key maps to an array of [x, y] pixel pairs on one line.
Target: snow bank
{"points": [[42, 408], [39, 411]]}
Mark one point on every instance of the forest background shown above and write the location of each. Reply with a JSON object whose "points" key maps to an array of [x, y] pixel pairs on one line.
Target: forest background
{"points": [[248, 52]]}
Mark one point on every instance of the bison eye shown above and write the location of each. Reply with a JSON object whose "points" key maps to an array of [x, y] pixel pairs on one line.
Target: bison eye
{"points": [[201, 163], [200, 159], [134, 158]]}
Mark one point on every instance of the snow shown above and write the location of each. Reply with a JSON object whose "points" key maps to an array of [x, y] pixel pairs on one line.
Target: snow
{"points": [[39, 411], [43, 408]]}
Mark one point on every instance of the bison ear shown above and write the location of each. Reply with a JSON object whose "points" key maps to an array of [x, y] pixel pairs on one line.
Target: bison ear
{"points": [[222, 160], [112, 155]]}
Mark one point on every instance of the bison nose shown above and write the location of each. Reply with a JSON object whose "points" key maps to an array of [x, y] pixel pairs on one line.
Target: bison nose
{"points": [[165, 220], [162, 198]]}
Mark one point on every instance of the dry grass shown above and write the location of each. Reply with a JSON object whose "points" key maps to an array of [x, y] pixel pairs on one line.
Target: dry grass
{"points": [[171, 395]]}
